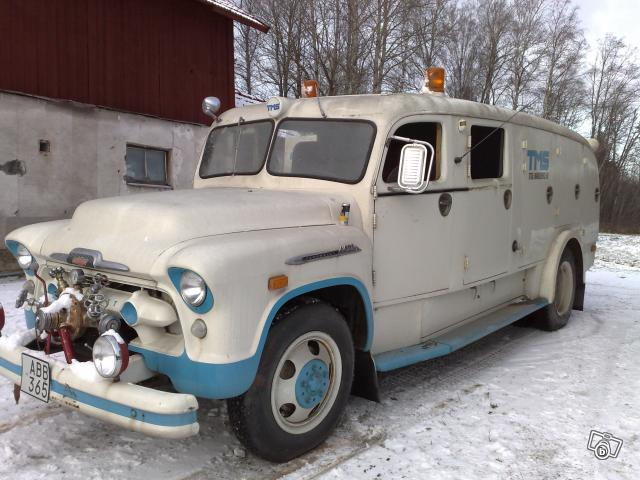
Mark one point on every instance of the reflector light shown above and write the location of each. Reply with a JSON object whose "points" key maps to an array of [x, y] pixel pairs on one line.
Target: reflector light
{"points": [[278, 282]]}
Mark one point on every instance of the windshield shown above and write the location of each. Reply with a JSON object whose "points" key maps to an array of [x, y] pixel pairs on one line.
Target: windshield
{"points": [[336, 150], [236, 149]]}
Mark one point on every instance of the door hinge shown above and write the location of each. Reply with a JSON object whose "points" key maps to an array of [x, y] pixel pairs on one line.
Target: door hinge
{"points": [[374, 190], [373, 277], [374, 221]]}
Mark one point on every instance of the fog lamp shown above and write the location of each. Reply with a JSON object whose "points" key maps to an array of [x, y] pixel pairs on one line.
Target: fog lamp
{"points": [[110, 355]]}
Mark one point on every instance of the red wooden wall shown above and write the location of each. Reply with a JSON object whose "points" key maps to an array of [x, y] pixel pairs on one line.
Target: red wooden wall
{"points": [[158, 57]]}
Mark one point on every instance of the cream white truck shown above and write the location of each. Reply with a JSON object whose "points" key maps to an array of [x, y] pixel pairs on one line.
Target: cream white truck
{"points": [[325, 240]]}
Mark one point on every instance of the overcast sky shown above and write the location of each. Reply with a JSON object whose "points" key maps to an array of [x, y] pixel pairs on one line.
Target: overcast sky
{"points": [[620, 17]]}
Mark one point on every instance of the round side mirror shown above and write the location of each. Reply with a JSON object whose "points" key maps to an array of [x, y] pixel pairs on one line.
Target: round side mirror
{"points": [[210, 106]]}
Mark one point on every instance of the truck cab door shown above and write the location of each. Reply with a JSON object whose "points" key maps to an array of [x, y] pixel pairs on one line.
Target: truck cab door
{"points": [[411, 238]]}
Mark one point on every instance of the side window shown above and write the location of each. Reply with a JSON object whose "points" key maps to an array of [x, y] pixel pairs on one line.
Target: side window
{"points": [[487, 146], [146, 166], [425, 131]]}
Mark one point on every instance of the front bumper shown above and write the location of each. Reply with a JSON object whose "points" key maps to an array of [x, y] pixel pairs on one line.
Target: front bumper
{"points": [[142, 409]]}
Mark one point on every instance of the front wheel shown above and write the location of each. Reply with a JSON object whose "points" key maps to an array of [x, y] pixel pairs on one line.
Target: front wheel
{"points": [[302, 385]]}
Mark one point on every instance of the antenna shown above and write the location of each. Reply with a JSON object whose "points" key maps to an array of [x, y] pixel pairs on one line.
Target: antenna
{"points": [[457, 160]]}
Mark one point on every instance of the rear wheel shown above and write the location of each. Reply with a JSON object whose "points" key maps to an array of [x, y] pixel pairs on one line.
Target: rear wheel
{"points": [[301, 388], [556, 315]]}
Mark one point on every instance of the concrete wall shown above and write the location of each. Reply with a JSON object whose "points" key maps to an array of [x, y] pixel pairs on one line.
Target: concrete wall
{"points": [[87, 157]]}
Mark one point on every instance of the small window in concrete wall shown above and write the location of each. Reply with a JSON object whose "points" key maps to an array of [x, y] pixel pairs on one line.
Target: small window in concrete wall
{"points": [[146, 166]]}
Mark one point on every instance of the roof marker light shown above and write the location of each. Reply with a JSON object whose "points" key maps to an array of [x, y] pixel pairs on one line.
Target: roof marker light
{"points": [[433, 80]]}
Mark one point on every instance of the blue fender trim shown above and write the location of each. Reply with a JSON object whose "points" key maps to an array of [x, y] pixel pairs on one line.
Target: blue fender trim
{"points": [[175, 274], [160, 419], [227, 380]]}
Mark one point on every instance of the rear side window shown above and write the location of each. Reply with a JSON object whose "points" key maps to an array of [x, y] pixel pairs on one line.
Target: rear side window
{"points": [[425, 131], [487, 145]]}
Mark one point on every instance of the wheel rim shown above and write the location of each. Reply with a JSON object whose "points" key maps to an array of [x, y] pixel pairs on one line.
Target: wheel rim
{"points": [[564, 288], [306, 382]]}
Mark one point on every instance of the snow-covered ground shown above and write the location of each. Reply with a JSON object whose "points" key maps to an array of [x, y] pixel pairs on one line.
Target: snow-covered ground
{"points": [[518, 404]]}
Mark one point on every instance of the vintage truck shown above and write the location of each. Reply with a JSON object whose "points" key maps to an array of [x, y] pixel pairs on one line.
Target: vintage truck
{"points": [[325, 240]]}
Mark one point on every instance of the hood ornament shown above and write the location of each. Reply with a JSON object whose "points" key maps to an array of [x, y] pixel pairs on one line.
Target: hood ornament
{"points": [[84, 257]]}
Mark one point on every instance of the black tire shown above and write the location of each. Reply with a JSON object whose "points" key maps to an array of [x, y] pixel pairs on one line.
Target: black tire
{"points": [[556, 315], [252, 416]]}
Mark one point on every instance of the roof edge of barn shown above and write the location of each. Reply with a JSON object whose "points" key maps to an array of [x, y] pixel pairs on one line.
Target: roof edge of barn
{"points": [[237, 14]]}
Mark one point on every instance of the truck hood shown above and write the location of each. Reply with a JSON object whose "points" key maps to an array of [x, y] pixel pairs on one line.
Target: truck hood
{"points": [[134, 230]]}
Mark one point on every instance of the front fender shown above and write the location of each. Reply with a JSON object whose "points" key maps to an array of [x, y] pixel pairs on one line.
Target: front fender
{"points": [[237, 268]]}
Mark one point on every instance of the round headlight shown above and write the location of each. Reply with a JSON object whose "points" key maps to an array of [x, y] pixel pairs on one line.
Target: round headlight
{"points": [[25, 259], [109, 356], [192, 288]]}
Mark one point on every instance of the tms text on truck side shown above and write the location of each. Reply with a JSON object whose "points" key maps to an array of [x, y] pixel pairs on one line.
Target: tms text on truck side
{"points": [[325, 240]]}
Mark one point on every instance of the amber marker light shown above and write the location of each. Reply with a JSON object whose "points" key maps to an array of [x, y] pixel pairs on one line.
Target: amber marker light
{"points": [[309, 89], [278, 282], [435, 79]]}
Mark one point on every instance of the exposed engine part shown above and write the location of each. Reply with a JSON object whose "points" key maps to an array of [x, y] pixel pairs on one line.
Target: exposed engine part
{"points": [[67, 344], [58, 274], [95, 302], [109, 322], [73, 318], [27, 288], [77, 277]]}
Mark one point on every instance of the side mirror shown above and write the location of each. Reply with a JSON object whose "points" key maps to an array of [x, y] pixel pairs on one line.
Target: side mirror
{"points": [[413, 164], [210, 106]]}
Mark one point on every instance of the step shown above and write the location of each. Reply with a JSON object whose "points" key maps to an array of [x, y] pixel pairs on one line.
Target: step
{"points": [[457, 338]]}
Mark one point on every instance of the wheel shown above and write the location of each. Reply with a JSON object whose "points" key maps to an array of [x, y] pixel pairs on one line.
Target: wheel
{"points": [[301, 388], [556, 315]]}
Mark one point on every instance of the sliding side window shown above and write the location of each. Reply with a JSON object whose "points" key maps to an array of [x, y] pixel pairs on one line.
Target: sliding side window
{"points": [[487, 146], [425, 131]]}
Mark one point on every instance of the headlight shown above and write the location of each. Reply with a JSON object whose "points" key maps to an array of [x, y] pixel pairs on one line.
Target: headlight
{"points": [[192, 288], [25, 259], [110, 357]]}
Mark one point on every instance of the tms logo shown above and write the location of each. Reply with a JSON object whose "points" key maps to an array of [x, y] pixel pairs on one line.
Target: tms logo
{"points": [[538, 164]]}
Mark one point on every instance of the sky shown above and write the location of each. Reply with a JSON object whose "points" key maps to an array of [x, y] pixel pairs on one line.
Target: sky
{"points": [[620, 17]]}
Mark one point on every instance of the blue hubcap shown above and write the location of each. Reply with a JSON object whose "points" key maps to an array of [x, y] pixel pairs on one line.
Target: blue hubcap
{"points": [[312, 383]]}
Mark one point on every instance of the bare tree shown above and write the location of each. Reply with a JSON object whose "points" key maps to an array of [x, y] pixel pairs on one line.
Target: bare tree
{"points": [[614, 87], [526, 37], [563, 54]]}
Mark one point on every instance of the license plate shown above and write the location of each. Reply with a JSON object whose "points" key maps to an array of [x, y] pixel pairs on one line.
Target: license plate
{"points": [[36, 377]]}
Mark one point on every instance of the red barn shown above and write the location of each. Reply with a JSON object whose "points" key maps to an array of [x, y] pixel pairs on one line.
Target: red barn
{"points": [[157, 57], [103, 97]]}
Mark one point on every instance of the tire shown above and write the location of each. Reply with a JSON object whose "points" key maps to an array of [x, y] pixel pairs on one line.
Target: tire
{"points": [[301, 388], [556, 315]]}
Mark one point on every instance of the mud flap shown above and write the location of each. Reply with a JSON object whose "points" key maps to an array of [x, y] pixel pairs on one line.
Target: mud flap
{"points": [[578, 301], [365, 379]]}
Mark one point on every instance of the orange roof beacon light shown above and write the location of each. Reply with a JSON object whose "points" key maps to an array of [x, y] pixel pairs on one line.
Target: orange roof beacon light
{"points": [[434, 80], [309, 88]]}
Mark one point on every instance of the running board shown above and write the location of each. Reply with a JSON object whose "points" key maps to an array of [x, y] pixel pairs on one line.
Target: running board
{"points": [[458, 338]]}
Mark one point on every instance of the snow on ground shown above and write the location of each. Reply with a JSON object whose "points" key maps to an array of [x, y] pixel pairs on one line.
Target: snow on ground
{"points": [[518, 404]]}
